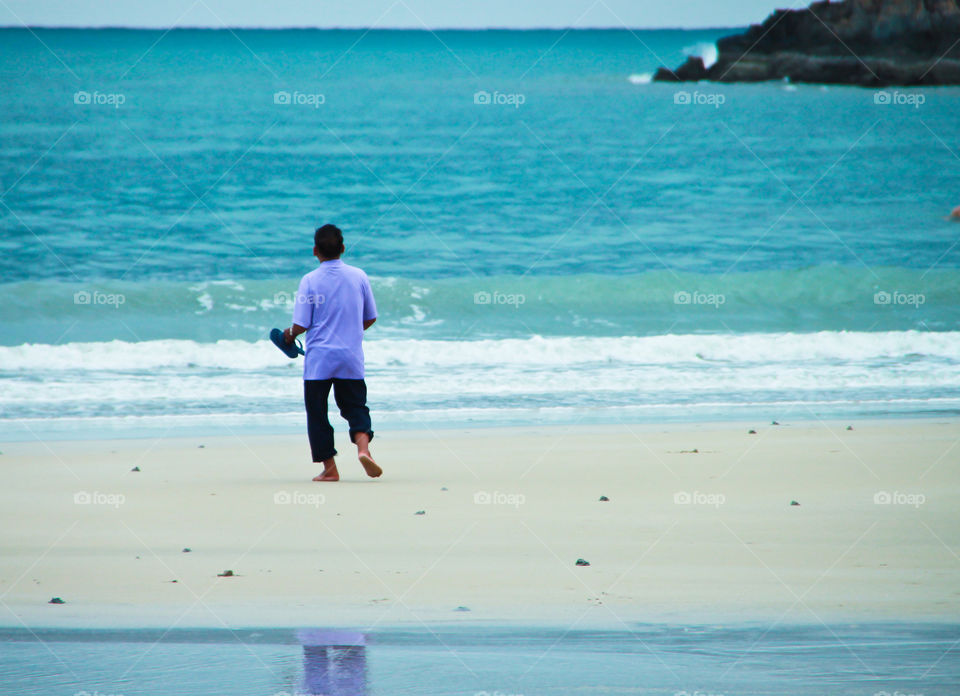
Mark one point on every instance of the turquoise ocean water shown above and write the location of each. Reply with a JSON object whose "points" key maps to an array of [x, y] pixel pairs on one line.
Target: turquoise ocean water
{"points": [[551, 237]]}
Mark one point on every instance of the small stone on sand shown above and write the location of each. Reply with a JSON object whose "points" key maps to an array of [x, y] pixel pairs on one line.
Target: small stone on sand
{"points": [[136, 468], [56, 600], [751, 432], [200, 446], [774, 423], [604, 499], [186, 549], [582, 562], [849, 427], [225, 574], [443, 488], [462, 608], [420, 512], [794, 502]]}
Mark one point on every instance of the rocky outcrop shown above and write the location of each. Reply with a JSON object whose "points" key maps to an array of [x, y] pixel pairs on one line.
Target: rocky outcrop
{"points": [[872, 43]]}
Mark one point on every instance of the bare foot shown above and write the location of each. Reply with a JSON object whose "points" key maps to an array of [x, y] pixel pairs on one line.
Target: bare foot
{"points": [[370, 466], [362, 440], [330, 472]]}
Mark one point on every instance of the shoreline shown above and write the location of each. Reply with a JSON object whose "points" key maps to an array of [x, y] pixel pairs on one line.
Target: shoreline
{"points": [[386, 634], [308, 554], [126, 428]]}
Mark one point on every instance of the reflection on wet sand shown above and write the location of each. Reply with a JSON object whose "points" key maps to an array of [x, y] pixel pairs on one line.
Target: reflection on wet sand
{"points": [[334, 662]]}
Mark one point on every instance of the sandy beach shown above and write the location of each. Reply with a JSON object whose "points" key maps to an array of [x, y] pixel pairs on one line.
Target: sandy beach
{"points": [[699, 527]]}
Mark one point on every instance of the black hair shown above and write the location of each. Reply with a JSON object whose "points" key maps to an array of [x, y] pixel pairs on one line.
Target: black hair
{"points": [[329, 241]]}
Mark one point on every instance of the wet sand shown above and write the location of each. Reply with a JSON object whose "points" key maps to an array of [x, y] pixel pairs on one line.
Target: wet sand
{"points": [[699, 527]]}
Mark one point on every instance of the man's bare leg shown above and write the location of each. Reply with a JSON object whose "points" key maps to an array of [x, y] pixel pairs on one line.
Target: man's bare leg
{"points": [[330, 472], [362, 440]]}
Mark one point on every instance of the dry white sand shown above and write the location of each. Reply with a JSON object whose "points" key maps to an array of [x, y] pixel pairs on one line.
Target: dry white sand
{"points": [[507, 515]]}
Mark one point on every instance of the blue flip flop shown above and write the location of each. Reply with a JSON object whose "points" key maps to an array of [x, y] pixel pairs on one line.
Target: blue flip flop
{"points": [[291, 350]]}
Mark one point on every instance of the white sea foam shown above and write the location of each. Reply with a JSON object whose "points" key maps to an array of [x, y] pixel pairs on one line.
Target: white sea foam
{"points": [[533, 352], [641, 78], [177, 377], [206, 301], [707, 51]]}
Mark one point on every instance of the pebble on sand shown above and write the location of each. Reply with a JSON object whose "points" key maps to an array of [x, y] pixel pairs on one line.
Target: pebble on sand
{"points": [[582, 562], [751, 432], [186, 549], [604, 499], [774, 423], [225, 574], [794, 502], [56, 600], [136, 468], [420, 512], [462, 608], [849, 427]]}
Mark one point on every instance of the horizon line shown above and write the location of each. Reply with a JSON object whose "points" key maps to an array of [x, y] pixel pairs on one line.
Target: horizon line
{"points": [[99, 27]]}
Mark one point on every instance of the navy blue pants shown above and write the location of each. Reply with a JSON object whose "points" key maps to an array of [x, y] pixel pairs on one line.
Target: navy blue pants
{"points": [[351, 398]]}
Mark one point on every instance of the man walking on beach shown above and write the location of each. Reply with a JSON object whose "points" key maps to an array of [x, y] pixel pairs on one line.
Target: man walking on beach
{"points": [[334, 306]]}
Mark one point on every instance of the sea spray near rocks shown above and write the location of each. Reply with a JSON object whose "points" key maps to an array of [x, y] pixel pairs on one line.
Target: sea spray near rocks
{"points": [[872, 43]]}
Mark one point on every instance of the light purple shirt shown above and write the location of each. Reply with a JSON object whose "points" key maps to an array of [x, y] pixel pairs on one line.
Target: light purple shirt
{"points": [[332, 303]]}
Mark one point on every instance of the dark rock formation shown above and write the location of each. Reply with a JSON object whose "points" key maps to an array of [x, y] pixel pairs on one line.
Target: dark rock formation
{"points": [[872, 43]]}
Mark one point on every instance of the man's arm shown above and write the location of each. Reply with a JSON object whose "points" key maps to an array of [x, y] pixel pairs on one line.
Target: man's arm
{"points": [[302, 312], [290, 334], [369, 306]]}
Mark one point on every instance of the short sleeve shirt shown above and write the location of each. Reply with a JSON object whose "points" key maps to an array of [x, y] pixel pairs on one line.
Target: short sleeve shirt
{"points": [[332, 303]]}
